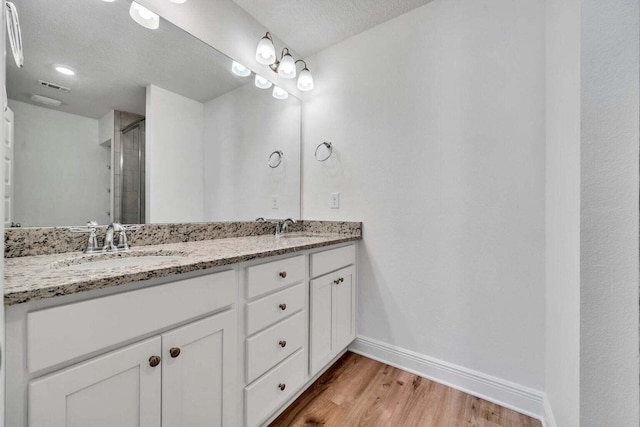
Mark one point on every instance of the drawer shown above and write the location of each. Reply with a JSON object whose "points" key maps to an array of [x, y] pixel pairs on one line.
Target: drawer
{"points": [[269, 347], [331, 260], [56, 335], [268, 310], [266, 395], [274, 275]]}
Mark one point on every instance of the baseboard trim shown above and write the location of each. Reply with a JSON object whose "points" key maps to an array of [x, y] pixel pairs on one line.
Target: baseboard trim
{"points": [[549, 420], [514, 396]]}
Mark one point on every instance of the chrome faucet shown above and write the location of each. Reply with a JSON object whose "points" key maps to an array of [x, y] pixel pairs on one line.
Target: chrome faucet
{"points": [[109, 238], [282, 227], [92, 243]]}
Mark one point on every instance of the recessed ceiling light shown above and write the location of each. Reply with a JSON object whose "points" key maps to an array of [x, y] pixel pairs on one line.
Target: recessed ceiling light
{"points": [[63, 69], [144, 16]]}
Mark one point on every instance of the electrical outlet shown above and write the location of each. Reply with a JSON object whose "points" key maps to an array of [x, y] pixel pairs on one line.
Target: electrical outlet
{"points": [[335, 201], [275, 202]]}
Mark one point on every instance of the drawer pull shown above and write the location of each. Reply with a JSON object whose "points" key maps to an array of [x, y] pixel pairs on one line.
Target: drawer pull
{"points": [[174, 352], [338, 280], [283, 274], [154, 361], [282, 386], [283, 307], [283, 344]]}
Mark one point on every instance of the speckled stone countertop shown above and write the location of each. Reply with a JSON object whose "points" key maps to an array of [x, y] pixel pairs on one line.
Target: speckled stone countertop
{"points": [[46, 276]]}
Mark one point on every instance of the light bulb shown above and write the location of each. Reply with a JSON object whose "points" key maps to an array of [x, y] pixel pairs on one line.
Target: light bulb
{"points": [[240, 70], [287, 67], [265, 52], [144, 16], [279, 93], [305, 80], [262, 83]]}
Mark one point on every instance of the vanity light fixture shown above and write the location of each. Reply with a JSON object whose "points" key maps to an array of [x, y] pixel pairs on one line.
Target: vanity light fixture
{"points": [[262, 83], [286, 66], [144, 16], [279, 93], [240, 70], [63, 69]]}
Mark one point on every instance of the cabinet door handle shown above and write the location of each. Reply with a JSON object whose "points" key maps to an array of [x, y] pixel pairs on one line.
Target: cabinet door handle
{"points": [[283, 307], [283, 343], [174, 352], [282, 386], [283, 274], [341, 279], [336, 282], [154, 361]]}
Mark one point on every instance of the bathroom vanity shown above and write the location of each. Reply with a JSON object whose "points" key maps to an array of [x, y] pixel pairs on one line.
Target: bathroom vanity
{"points": [[227, 332]]}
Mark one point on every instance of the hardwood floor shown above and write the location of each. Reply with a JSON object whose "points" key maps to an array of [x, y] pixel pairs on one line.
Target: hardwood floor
{"points": [[358, 391]]}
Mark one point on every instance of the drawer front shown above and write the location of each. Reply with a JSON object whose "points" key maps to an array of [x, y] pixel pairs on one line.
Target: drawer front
{"points": [[56, 335], [269, 347], [265, 395], [333, 259], [273, 308], [274, 275]]}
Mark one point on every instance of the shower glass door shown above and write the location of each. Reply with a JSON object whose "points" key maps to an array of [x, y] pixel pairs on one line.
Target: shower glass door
{"points": [[132, 174]]}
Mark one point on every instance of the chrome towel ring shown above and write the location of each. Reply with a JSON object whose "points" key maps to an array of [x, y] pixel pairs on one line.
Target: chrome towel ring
{"points": [[275, 159], [329, 147]]}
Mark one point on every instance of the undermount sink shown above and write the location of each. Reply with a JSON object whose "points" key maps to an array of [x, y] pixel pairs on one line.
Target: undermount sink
{"points": [[120, 260]]}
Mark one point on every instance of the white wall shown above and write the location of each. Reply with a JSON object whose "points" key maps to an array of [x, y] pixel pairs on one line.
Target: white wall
{"points": [[241, 129], [60, 171], [563, 210], [610, 52], [437, 118], [174, 163]]}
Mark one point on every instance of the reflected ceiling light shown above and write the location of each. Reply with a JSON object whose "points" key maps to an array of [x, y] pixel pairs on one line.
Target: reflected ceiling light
{"points": [[279, 93], [108, 1], [266, 52], [144, 16], [262, 83], [305, 79], [240, 70], [286, 66], [63, 69], [176, 1]]}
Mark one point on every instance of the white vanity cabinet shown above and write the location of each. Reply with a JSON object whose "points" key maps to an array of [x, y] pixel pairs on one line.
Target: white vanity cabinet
{"points": [[333, 305], [230, 346]]}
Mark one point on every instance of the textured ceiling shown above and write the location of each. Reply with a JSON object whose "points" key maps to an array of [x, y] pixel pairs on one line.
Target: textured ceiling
{"points": [[309, 26], [114, 58]]}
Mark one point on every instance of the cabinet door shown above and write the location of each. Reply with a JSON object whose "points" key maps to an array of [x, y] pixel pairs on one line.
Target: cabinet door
{"points": [[343, 299], [198, 384], [117, 389], [321, 347]]}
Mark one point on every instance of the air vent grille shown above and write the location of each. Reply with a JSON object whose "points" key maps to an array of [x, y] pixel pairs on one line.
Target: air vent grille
{"points": [[54, 86]]}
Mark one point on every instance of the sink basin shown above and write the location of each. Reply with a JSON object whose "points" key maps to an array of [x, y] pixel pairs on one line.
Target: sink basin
{"points": [[138, 261], [118, 260]]}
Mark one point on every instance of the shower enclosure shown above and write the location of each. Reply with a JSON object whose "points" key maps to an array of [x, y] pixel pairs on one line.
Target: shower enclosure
{"points": [[131, 174]]}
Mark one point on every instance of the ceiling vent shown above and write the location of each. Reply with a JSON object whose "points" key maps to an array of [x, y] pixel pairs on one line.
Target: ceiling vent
{"points": [[50, 102], [54, 86]]}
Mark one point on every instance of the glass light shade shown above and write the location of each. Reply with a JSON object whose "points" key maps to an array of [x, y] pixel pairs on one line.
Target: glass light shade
{"points": [[279, 93], [262, 83], [287, 67], [305, 80], [266, 53], [240, 70], [144, 16]]}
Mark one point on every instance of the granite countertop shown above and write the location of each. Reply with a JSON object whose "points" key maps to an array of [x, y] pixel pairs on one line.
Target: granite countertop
{"points": [[46, 276]]}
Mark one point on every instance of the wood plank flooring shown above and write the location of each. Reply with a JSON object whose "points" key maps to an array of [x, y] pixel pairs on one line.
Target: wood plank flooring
{"points": [[357, 391]]}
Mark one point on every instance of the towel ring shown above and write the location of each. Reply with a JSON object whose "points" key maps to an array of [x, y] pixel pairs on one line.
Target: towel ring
{"points": [[278, 159], [329, 147]]}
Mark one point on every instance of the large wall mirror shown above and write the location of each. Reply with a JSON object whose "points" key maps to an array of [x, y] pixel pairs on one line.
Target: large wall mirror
{"points": [[140, 125]]}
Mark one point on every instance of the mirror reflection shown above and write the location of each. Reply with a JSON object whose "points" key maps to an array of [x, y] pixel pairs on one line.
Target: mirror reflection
{"points": [[113, 121]]}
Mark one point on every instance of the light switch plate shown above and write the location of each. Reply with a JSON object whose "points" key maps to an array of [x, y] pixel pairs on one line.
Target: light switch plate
{"points": [[275, 202], [335, 201]]}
